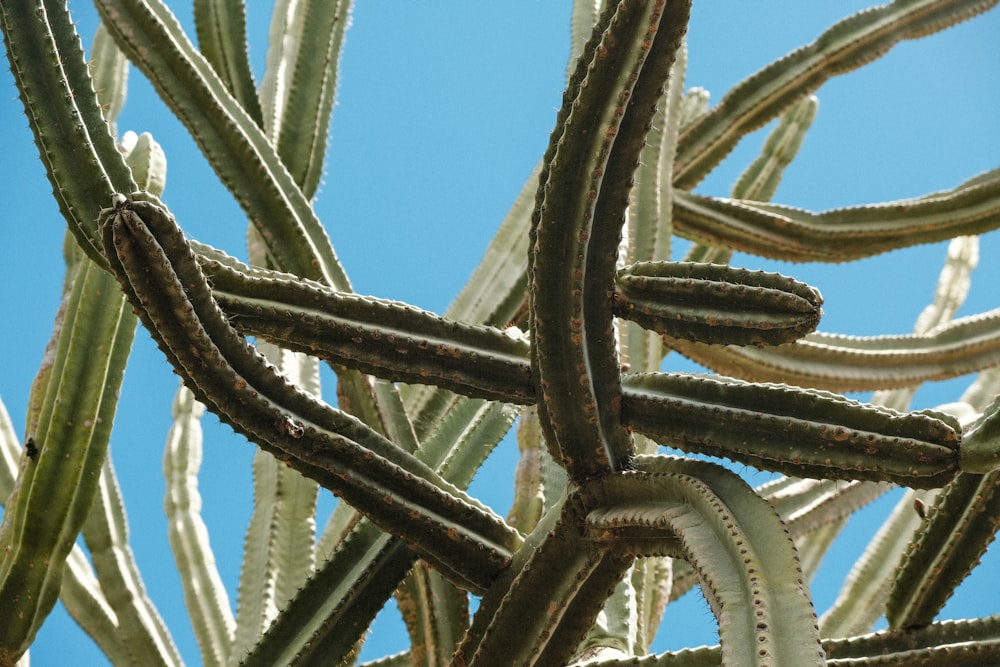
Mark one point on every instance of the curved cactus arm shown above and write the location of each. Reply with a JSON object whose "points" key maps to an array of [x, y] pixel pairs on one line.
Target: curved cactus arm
{"points": [[143, 634], [204, 594], [861, 600], [516, 624], [159, 272], [965, 642], [843, 234], [959, 526], [716, 303], [80, 592], [327, 618], [847, 45], [86, 603], [794, 431], [836, 362], [806, 505], [745, 559], [72, 408], [760, 179], [576, 235], [236, 147], [221, 26], [300, 82], [73, 139]]}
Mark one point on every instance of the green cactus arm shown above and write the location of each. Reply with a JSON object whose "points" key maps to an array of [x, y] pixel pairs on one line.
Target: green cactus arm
{"points": [[109, 70], [716, 303], [300, 82], [85, 602], [235, 146], [329, 615], [862, 598], [736, 541], [315, 320], [954, 643], [760, 179], [845, 46], [144, 636], [576, 235], [515, 624], [221, 26], [436, 615], [204, 594], [843, 234], [959, 526], [230, 378], [72, 411], [797, 432], [80, 591], [836, 362], [81, 159]]}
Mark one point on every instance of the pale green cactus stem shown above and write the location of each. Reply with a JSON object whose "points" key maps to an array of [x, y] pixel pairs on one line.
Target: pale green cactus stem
{"points": [[204, 593], [844, 234]]}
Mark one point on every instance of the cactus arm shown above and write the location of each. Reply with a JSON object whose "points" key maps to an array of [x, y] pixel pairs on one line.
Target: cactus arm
{"points": [[845, 46], [221, 26], [514, 625], [959, 526], [143, 633], [736, 541], [796, 432], [301, 77], [328, 616], [436, 615], [204, 594], [338, 451], [109, 70], [696, 301], [236, 147], [74, 408], [843, 234], [576, 236], [81, 159], [861, 600]]}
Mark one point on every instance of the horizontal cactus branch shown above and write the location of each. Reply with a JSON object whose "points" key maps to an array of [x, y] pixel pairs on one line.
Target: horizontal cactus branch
{"points": [[164, 283], [794, 431], [843, 234], [836, 362], [384, 338], [714, 303]]}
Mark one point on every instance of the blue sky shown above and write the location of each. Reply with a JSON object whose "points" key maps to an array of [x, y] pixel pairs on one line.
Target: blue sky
{"points": [[443, 109]]}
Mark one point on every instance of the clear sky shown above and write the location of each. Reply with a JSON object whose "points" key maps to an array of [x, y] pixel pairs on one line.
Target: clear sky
{"points": [[443, 109]]}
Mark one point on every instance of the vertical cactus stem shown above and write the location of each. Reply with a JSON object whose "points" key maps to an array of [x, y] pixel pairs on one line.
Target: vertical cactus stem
{"points": [[582, 203], [204, 594], [74, 142]]}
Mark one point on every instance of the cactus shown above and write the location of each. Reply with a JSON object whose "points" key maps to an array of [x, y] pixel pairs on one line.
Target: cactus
{"points": [[562, 329]]}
